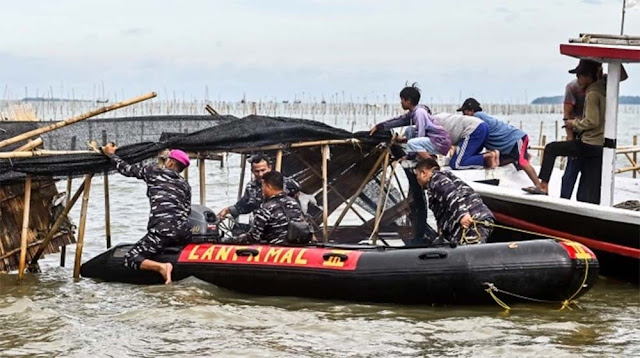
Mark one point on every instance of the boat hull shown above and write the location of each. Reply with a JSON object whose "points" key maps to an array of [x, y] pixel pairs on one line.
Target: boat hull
{"points": [[540, 269]]}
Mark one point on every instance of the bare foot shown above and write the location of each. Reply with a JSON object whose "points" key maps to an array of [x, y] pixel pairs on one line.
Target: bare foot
{"points": [[166, 272], [496, 158]]}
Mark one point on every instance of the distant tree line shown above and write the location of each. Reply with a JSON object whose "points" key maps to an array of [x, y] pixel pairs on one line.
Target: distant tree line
{"points": [[560, 99]]}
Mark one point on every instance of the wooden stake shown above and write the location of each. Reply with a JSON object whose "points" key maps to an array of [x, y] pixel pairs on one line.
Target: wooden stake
{"points": [[203, 189], [75, 119], [243, 169], [381, 196], [25, 227], [279, 161], [42, 153], [107, 208], [355, 196], [83, 226], [63, 249], [325, 196], [544, 142], [71, 201]]}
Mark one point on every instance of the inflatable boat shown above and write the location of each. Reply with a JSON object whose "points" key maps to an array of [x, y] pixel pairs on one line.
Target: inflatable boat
{"points": [[539, 269]]}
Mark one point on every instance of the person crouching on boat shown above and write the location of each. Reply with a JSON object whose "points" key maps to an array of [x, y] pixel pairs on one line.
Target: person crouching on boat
{"points": [[170, 198], [428, 137], [253, 196], [272, 221], [460, 213], [503, 138]]}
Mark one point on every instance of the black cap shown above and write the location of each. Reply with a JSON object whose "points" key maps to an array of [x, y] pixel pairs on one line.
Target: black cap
{"points": [[585, 67], [470, 103]]}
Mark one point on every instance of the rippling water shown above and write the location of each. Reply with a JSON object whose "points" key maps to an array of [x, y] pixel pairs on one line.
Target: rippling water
{"points": [[51, 315]]}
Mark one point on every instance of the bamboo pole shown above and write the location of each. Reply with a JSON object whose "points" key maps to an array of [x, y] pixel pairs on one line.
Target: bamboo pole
{"points": [[25, 228], [63, 249], [355, 196], [56, 225], [628, 169], [243, 169], [75, 119], [544, 143], [42, 153], [31, 145], [203, 188], [83, 226], [107, 205], [325, 196], [628, 150], [319, 175], [352, 141], [279, 161], [635, 155], [383, 178]]}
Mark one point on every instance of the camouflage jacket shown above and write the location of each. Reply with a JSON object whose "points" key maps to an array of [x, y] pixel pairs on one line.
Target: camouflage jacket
{"points": [[169, 195], [450, 199], [270, 222], [253, 198]]}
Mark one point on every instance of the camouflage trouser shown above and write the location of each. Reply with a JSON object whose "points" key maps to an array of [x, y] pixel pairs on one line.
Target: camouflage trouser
{"points": [[151, 244]]}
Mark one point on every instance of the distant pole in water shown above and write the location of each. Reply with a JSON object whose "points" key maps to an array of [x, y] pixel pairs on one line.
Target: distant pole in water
{"points": [[624, 10], [203, 189], [243, 169]]}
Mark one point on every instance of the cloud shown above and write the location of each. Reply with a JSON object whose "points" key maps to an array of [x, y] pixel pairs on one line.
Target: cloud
{"points": [[592, 2]]}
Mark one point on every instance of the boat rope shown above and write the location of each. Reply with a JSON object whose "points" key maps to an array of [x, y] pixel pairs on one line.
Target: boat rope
{"points": [[492, 289]]}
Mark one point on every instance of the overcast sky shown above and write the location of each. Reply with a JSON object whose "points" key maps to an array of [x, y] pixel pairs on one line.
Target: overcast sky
{"points": [[496, 50]]}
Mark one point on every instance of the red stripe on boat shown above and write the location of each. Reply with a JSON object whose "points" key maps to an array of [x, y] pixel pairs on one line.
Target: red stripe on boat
{"points": [[591, 243], [265, 255]]}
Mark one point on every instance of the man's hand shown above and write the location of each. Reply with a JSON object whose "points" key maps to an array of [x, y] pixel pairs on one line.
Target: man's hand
{"points": [[374, 128], [224, 212], [109, 149], [466, 221], [569, 124]]}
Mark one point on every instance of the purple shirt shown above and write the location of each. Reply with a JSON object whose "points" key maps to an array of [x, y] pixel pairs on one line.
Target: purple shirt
{"points": [[425, 127]]}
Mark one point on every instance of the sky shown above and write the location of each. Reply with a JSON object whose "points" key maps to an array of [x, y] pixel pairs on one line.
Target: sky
{"points": [[366, 50]]}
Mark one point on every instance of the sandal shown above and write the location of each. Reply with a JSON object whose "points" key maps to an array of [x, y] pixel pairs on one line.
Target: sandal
{"points": [[534, 190]]}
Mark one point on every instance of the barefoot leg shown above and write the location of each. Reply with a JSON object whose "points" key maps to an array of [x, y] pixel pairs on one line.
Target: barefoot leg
{"points": [[163, 268]]}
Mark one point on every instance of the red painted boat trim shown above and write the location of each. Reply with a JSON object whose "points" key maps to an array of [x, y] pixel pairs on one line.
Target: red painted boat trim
{"points": [[591, 243], [583, 51]]}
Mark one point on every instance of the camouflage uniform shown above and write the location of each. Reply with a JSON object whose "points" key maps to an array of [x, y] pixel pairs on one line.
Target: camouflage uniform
{"points": [[270, 222], [450, 199], [170, 198], [253, 198]]}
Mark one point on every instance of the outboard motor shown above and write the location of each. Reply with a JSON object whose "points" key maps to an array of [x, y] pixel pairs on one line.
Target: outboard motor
{"points": [[205, 225]]}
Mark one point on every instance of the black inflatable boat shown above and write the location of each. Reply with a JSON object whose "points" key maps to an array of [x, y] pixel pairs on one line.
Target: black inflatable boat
{"points": [[540, 269]]}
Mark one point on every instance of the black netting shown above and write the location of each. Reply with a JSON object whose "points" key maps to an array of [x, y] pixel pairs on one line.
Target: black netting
{"points": [[247, 132]]}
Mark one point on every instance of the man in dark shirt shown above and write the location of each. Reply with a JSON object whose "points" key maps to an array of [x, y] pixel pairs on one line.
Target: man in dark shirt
{"points": [[455, 205], [271, 220], [253, 196], [170, 198]]}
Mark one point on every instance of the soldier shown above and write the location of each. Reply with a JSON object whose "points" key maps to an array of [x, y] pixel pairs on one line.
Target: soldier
{"points": [[253, 198], [170, 198], [455, 205], [272, 219]]}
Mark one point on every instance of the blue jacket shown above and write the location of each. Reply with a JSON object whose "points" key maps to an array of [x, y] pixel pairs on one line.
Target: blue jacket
{"points": [[502, 136]]}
